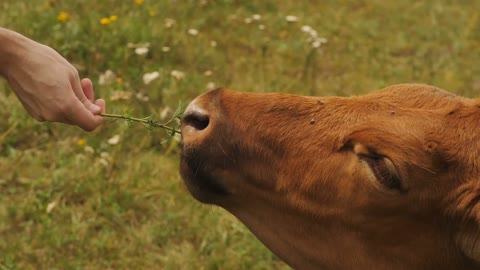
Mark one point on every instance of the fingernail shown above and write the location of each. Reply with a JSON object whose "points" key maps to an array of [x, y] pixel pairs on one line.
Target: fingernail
{"points": [[94, 107]]}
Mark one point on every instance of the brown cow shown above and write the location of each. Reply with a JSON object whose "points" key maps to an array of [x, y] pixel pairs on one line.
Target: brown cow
{"points": [[390, 180]]}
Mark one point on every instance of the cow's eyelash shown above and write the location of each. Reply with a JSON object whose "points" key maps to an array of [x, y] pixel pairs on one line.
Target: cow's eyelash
{"points": [[381, 168]]}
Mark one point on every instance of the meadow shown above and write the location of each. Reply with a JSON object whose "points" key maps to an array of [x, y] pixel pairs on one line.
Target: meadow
{"points": [[113, 198]]}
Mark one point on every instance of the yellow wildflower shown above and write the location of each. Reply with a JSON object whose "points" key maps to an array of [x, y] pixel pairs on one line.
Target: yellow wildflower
{"points": [[63, 16], [113, 18], [81, 142], [139, 2], [151, 12], [119, 80], [105, 21]]}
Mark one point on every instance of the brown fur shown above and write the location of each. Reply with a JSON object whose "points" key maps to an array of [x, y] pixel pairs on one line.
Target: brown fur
{"points": [[292, 169]]}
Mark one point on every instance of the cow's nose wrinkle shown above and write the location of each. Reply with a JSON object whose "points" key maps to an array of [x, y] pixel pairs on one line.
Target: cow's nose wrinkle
{"points": [[196, 120]]}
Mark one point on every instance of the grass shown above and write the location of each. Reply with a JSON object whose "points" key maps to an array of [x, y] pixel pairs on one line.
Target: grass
{"points": [[72, 200]]}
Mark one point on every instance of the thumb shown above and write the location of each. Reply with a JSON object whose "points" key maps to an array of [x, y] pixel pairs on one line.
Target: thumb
{"points": [[77, 115]]}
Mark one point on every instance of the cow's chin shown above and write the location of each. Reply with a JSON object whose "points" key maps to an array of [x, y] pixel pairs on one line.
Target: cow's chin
{"points": [[201, 182]]}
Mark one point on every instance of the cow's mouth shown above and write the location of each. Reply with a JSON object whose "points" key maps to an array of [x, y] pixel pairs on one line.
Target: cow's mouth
{"points": [[199, 179]]}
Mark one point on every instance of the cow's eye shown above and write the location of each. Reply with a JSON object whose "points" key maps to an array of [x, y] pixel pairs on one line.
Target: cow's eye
{"points": [[384, 171]]}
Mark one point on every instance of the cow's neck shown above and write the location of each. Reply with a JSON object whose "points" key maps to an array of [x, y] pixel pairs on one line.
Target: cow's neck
{"points": [[306, 242], [283, 234]]}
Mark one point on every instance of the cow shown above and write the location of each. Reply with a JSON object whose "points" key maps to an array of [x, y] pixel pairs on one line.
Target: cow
{"points": [[389, 180]]}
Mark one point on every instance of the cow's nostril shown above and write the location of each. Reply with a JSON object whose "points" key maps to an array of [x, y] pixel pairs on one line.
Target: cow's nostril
{"points": [[196, 120]]}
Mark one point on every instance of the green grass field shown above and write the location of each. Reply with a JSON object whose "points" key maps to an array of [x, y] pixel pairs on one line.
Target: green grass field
{"points": [[113, 199]]}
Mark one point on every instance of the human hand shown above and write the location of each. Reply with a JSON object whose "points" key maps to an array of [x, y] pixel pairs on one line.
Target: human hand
{"points": [[49, 87]]}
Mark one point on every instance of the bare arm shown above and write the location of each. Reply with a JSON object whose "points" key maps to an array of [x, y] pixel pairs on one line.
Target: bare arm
{"points": [[48, 86]]}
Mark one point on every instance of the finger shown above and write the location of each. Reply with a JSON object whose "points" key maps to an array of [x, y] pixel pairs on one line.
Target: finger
{"points": [[79, 92], [87, 87], [101, 104], [82, 117]]}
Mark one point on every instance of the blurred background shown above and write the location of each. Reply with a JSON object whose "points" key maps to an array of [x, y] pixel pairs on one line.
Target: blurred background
{"points": [[113, 199]]}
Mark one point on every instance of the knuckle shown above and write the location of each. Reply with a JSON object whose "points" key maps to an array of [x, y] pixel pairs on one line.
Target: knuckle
{"points": [[74, 73], [67, 106], [59, 112], [60, 109]]}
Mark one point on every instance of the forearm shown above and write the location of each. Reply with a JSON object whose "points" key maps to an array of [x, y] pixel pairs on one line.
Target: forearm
{"points": [[12, 46]]}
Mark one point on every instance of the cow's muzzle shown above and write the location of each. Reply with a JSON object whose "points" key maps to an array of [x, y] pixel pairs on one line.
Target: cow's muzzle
{"points": [[200, 151]]}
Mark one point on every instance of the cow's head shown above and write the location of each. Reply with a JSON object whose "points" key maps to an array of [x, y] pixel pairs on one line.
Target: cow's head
{"points": [[390, 180]]}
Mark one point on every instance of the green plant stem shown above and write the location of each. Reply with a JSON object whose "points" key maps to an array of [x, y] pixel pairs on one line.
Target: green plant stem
{"points": [[142, 120]]}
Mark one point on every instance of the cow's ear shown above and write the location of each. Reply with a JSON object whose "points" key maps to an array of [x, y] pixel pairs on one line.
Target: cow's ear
{"points": [[464, 208]]}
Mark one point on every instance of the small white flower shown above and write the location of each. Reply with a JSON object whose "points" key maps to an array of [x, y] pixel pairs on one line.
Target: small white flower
{"points": [[140, 96], [177, 137], [192, 31], [50, 206], [261, 27], [107, 77], [210, 86], [306, 28], [113, 140], [256, 17], [291, 18], [89, 149], [165, 112], [149, 77], [103, 162], [169, 22], [165, 49], [141, 50], [105, 155], [318, 42], [248, 20], [120, 95], [178, 75], [208, 73], [213, 43]]}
